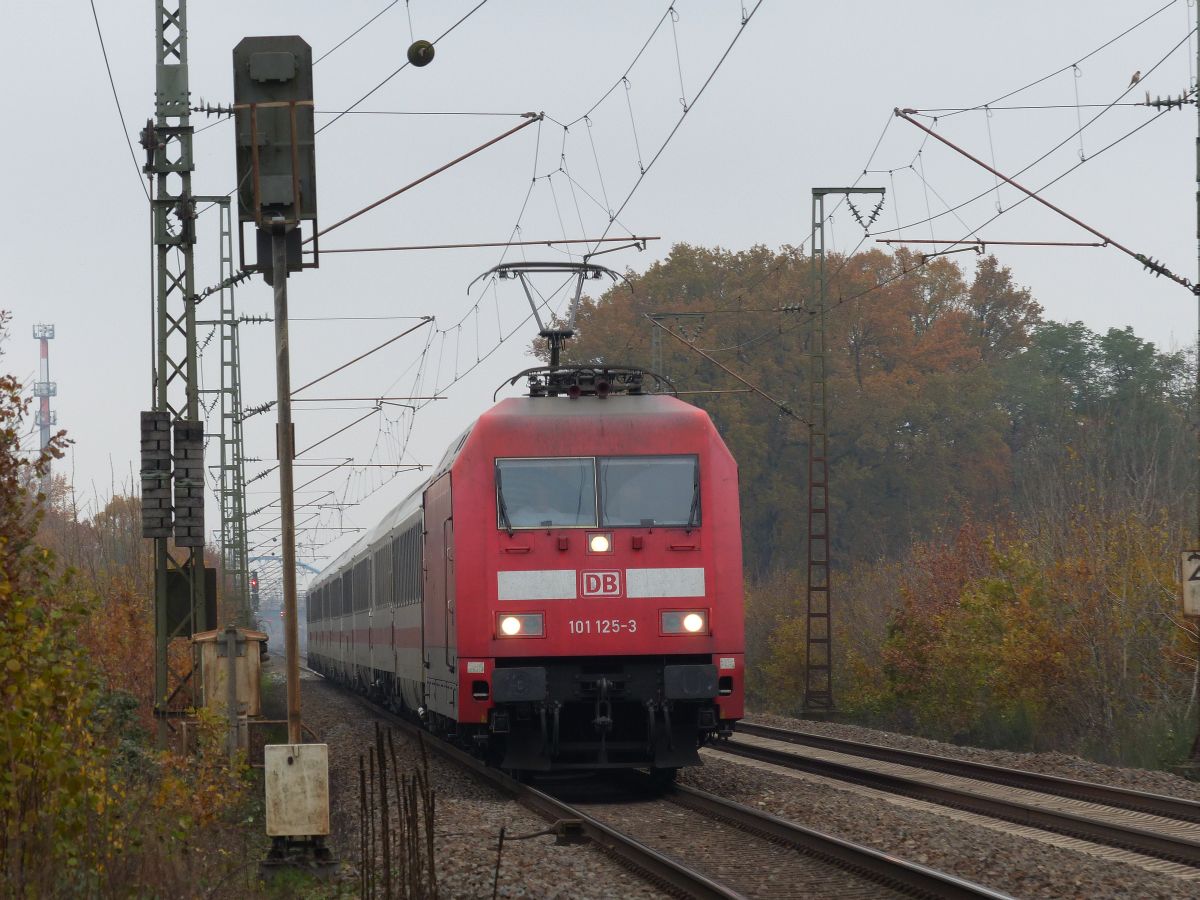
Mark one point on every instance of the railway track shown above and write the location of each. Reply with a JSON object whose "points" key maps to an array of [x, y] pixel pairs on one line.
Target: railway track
{"points": [[1106, 795], [1151, 824], [696, 844], [753, 853]]}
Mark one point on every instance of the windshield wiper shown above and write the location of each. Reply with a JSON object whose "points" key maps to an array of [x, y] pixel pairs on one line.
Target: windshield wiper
{"points": [[694, 513], [501, 505]]}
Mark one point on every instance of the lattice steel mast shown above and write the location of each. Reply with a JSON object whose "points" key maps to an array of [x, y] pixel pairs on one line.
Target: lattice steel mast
{"points": [[231, 469], [179, 570], [43, 390], [818, 657]]}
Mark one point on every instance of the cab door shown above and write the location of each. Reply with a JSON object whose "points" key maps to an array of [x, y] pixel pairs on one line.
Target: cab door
{"points": [[451, 631], [440, 649]]}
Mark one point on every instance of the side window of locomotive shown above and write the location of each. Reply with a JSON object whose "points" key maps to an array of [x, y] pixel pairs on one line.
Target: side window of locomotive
{"points": [[649, 490], [537, 493]]}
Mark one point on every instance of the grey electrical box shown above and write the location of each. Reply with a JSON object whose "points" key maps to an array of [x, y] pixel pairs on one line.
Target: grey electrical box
{"points": [[297, 789]]}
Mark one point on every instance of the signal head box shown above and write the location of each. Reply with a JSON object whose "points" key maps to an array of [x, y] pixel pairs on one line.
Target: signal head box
{"points": [[273, 96]]}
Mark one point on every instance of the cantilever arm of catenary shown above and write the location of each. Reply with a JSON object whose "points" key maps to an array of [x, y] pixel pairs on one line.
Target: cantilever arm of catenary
{"points": [[783, 407], [529, 120], [1156, 267]]}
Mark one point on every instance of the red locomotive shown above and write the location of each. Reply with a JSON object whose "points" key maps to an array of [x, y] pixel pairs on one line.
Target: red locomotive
{"points": [[565, 591]]}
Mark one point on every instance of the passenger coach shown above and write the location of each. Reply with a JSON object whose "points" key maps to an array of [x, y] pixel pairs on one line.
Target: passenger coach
{"points": [[564, 592]]}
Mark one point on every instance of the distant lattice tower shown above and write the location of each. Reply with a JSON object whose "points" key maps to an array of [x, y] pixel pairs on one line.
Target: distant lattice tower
{"points": [[44, 389]]}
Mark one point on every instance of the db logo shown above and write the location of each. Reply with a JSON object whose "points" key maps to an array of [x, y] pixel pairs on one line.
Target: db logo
{"points": [[600, 584]]}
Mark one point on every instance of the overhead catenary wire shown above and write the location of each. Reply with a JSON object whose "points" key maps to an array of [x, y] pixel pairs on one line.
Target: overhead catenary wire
{"points": [[775, 332], [1082, 162], [621, 79], [1066, 68], [1034, 195], [404, 66], [266, 407], [945, 111], [921, 175], [983, 242], [354, 470], [530, 119], [1104, 110], [925, 259], [117, 100], [783, 407], [337, 46], [482, 244], [425, 321], [703, 87], [341, 430], [415, 112], [349, 111], [459, 369], [350, 318], [355, 32]]}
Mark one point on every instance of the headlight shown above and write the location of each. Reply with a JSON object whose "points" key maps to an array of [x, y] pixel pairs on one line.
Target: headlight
{"points": [[682, 621], [520, 625], [600, 543]]}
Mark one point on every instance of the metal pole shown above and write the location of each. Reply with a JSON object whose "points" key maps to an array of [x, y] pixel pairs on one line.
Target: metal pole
{"points": [[231, 647], [818, 657], [1196, 399], [287, 538], [232, 465]]}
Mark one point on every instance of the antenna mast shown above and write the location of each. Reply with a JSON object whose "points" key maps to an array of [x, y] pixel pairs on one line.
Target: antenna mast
{"points": [[44, 389]]}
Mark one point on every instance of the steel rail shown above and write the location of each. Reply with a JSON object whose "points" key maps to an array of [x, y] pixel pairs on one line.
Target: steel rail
{"points": [[1128, 837], [873, 864], [664, 870], [1107, 795], [655, 866]]}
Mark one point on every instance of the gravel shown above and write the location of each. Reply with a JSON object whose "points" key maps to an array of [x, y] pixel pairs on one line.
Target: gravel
{"points": [[1007, 862], [468, 820], [470, 815], [1061, 764]]}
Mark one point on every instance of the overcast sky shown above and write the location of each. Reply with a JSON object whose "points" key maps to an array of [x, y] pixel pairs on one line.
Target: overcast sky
{"points": [[800, 102]]}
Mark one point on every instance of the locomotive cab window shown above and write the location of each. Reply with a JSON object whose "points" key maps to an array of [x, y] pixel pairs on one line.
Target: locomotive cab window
{"points": [[649, 490], [540, 493], [634, 491]]}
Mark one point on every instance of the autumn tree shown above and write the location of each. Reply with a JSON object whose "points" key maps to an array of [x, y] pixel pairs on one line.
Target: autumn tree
{"points": [[917, 423], [50, 780]]}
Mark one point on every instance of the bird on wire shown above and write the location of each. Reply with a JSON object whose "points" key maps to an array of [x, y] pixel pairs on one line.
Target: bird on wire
{"points": [[1137, 76]]}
